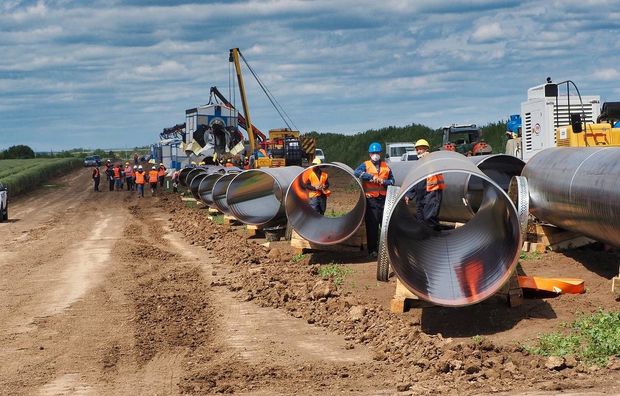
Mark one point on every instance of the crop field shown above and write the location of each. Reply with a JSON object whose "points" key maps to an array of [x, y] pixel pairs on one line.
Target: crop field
{"points": [[21, 175]]}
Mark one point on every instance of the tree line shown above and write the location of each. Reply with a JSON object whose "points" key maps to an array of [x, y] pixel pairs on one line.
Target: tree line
{"points": [[353, 149]]}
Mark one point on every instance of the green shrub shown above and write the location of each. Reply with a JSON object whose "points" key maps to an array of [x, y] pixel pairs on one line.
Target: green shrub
{"points": [[335, 271]]}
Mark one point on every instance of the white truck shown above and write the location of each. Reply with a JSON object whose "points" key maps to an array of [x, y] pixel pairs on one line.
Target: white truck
{"points": [[4, 204], [394, 151]]}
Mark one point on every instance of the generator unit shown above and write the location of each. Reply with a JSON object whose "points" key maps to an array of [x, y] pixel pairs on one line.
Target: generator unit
{"points": [[546, 110]]}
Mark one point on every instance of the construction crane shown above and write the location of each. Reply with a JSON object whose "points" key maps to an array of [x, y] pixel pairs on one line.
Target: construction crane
{"points": [[286, 145]]}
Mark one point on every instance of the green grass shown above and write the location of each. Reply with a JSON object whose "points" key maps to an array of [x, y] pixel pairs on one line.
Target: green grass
{"points": [[335, 213], [335, 271], [530, 256], [477, 339], [591, 338], [217, 219], [24, 175], [298, 257]]}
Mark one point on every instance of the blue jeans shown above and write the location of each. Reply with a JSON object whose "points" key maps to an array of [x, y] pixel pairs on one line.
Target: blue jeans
{"points": [[319, 204], [140, 190]]}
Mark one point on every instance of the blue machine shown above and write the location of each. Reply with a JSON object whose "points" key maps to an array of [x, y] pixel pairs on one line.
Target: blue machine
{"points": [[514, 124]]}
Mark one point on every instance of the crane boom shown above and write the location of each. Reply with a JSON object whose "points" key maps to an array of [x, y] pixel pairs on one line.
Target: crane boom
{"points": [[234, 57]]}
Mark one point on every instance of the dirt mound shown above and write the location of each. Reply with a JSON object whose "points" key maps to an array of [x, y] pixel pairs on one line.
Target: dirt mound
{"points": [[397, 340]]}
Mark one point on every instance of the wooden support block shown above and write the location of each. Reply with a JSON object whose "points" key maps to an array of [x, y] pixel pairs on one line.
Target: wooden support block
{"points": [[213, 211], [230, 220], [615, 285], [188, 199], [355, 243], [572, 243], [404, 299], [253, 230]]}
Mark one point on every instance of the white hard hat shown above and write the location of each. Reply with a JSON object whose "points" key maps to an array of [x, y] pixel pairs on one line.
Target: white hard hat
{"points": [[140, 167]]}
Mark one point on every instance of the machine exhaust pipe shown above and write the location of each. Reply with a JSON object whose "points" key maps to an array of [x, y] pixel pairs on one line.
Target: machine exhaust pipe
{"points": [[256, 196], [464, 265], [575, 188], [318, 228]]}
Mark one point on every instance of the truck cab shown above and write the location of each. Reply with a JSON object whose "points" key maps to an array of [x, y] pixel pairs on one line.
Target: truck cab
{"points": [[394, 151]]}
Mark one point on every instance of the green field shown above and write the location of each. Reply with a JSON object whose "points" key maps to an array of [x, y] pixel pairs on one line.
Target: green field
{"points": [[22, 175]]}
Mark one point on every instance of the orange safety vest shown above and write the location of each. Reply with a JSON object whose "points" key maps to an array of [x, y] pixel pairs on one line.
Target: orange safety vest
{"points": [[128, 171], [117, 173], [161, 172], [139, 177], [229, 165], [310, 176], [374, 190], [435, 182], [152, 176]]}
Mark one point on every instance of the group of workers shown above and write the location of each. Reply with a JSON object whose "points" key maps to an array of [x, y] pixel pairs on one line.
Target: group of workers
{"points": [[134, 177], [376, 176]]}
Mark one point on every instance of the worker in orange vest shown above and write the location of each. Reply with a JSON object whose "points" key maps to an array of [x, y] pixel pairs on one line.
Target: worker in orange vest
{"points": [[153, 176], [315, 180], [229, 163], [117, 177], [376, 176], [140, 180], [428, 193], [161, 174]]}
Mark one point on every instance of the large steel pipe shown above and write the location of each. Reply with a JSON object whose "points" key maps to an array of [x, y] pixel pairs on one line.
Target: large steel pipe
{"points": [[460, 266], [183, 175], [463, 195], [315, 227], [219, 192], [577, 189], [194, 181], [205, 189], [256, 196]]}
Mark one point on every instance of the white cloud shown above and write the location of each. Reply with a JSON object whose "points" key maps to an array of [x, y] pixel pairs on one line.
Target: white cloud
{"points": [[607, 74], [487, 32]]}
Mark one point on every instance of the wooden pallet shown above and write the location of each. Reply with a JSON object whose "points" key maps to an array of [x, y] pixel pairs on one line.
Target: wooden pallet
{"points": [[403, 299], [356, 243], [543, 237]]}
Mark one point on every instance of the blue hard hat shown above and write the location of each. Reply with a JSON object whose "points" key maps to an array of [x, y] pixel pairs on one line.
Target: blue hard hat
{"points": [[374, 147]]}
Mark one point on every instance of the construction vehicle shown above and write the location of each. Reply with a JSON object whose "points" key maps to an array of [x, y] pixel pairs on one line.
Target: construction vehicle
{"points": [[553, 117], [465, 139], [285, 146], [395, 151]]}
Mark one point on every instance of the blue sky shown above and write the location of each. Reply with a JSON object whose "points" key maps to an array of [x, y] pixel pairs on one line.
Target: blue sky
{"points": [[113, 73]]}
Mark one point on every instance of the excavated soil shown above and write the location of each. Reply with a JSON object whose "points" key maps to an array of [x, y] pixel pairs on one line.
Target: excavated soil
{"points": [[105, 293]]}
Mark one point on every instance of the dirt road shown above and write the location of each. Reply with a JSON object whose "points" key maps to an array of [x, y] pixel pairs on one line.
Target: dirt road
{"points": [[105, 293]]}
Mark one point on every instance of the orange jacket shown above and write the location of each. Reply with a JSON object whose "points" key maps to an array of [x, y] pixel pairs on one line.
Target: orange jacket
{"points": [[153, 176], [310, 177], [435, 182], [374, 190], [161, 171], [117, 172], [139, 177]]}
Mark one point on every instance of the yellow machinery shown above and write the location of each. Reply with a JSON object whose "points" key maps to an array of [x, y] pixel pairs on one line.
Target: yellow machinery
{"points": [[600, 134]]}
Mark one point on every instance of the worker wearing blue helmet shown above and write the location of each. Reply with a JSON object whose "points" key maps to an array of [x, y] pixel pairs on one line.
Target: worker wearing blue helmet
{"points": [[375, 175]]}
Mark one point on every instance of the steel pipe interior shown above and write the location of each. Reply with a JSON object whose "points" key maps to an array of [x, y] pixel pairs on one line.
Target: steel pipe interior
{"points": [[205, 190], [256, 196], [577, 188], [194, 184], [318, 228], [219, 192], [464, 265]]}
